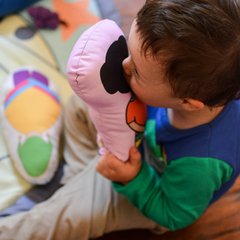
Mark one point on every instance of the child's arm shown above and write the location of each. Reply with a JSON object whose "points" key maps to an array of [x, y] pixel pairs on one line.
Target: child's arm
{"points": [[118, 171], [174, 199]]}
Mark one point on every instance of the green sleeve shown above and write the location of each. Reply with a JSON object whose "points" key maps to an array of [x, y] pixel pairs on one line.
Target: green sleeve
{"points": [[181, 194]]}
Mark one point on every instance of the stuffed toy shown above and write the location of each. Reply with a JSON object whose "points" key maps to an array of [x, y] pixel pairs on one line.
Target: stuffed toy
{"points": [[32, 121], [95, 74]]}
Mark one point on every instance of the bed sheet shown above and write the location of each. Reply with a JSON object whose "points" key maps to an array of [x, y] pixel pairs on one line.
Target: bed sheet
{"points": [[22, 45]]}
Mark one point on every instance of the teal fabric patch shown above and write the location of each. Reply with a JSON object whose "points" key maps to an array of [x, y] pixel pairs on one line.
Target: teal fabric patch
{"points": [[151, 138]]}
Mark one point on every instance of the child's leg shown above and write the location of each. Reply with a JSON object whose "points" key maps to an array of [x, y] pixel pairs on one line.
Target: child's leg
{"points": [[86, 206], [80, 137]]}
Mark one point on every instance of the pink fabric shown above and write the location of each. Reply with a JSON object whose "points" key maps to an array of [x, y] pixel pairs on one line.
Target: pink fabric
{"points": [[107, 111]]}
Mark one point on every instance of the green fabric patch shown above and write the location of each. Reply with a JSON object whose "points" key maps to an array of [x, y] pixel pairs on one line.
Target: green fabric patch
{"points": [[35, 155], [151, 138]]}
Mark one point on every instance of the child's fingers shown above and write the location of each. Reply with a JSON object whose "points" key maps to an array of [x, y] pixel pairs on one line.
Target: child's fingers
{"points": [[107, 163], [135, 156]]}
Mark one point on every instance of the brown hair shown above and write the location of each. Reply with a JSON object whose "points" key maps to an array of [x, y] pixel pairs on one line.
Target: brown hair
{"points": [[199, 41]]}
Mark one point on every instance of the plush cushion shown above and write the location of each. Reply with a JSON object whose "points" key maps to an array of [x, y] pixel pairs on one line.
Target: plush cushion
{"points": [[32, 121], [95, 74]]}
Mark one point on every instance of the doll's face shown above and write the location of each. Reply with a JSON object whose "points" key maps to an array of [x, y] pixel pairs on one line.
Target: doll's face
{"points": [[145, 75]]}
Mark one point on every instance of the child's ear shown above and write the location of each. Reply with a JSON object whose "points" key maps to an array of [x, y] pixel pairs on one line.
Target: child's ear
{"points": [[191, 104]]}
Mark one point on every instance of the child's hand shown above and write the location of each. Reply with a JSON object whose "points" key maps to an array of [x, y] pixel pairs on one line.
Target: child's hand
{"points": [[118, 171]]}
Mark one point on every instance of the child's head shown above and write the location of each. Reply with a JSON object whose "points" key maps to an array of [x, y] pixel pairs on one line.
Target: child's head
{"points": [[196, 44]]}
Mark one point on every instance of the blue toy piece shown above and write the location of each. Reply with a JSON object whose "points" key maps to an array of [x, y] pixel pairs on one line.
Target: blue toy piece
{"points": [[11, 6]]}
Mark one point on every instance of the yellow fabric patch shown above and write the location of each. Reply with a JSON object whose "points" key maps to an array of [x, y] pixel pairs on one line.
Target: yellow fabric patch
{"points": [[33, 111]]}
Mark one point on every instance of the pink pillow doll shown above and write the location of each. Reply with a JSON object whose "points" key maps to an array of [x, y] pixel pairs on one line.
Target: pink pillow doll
{"points": [[95, 74]]}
